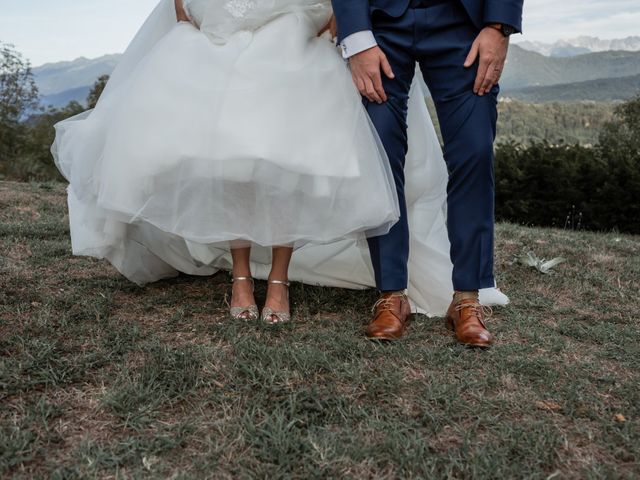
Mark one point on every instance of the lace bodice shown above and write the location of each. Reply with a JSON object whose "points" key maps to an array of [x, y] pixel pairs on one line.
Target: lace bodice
{"points": [[221, 18], [239, 8]]}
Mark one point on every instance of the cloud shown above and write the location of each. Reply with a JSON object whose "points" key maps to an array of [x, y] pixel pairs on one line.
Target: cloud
{"points": [[550, 20]]}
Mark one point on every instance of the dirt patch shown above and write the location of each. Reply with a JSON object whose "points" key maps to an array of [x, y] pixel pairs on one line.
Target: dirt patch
{"points": [[28, 212], [19, 253]]}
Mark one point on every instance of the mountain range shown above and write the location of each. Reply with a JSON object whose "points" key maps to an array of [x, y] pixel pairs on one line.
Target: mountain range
{"points": [[530, 69], [581, 45], [600, 90], [561, 78], [61, 82]]}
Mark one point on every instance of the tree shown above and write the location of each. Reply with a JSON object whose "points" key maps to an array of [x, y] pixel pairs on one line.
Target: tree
{"points": [[623, 132], [31, 157], [37, 163], [18, 90], [619, 198], [18, 97], [96, 91]]}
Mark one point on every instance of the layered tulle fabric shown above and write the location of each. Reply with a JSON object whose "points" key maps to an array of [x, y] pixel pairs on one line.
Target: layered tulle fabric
{"points": [[246, 130], [265, 149]]}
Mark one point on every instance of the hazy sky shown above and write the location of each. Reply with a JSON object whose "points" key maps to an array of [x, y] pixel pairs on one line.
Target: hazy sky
{"points": [[53, 30]]}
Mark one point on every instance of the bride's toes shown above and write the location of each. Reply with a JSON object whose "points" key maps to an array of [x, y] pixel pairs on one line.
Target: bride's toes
{"points": [[276, 308]]}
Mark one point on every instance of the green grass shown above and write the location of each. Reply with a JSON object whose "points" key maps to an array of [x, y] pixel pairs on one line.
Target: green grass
{"points": [[102, 379]]}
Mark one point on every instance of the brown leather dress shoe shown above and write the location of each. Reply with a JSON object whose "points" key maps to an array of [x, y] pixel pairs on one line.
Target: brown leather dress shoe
{"points": [[391, 316], [466, 319]]}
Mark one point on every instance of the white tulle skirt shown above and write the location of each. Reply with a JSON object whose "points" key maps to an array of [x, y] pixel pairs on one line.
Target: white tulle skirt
{"points": [[201, 142]]}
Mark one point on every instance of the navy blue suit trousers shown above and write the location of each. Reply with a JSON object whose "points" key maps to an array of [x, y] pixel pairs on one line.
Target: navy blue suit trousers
{"points": [[438, 36]]}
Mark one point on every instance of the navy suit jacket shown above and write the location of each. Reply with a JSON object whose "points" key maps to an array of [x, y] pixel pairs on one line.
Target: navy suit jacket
{"points": [[355, 15]]}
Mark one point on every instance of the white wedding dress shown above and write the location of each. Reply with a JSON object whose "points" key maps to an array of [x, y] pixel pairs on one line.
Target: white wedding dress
{"points": [[244, 126]]}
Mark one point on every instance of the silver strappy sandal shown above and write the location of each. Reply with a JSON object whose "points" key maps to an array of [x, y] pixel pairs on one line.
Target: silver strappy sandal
{"points": [[249, 312], [269, 316]]}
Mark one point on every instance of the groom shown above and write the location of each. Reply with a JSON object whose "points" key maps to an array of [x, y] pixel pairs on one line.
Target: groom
{"points": [[460, 46]]}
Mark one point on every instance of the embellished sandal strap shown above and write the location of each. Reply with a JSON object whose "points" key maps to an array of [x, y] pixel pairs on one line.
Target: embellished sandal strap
{"points": [[239, 279]]}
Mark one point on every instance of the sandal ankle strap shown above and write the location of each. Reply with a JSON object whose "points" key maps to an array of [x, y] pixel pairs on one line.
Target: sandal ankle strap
{"points": [[239, 279], [279, 282]]}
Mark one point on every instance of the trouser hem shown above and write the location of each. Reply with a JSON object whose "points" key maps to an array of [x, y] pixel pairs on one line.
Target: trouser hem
{"points": [[489, 282], [392, 288]]}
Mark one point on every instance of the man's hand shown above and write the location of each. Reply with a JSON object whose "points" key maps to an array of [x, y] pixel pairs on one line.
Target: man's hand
{"points": [[491, 46], [366, 70], [331, 27]]}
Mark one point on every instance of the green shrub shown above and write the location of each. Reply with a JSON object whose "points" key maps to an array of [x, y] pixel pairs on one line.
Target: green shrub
{"points": [[574, 186]]}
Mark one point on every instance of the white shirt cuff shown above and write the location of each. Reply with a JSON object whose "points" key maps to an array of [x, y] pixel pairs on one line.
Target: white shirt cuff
{"points": [[358, 42]]}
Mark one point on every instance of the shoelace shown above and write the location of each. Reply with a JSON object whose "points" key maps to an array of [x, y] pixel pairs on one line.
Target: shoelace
{"points": [[385, 303], [482, 312]]}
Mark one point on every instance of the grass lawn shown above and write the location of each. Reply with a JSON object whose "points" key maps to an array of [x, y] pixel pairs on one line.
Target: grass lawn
{"points": [[101, 378]]}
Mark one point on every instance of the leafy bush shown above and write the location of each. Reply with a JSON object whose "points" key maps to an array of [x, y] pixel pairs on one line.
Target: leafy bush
{"points": [[618, 202], [574, 186], [542, 184]]}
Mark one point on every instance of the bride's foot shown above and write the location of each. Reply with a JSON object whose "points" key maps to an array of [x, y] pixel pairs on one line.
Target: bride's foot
{"points": [[276, 308], [243, 304]]}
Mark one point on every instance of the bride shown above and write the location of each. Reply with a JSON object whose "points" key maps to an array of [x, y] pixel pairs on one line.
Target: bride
{"points": [[232, 138]]}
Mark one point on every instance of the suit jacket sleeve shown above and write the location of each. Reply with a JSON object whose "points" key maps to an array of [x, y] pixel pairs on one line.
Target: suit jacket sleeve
{"points": [[352, 16], [508, 12]]}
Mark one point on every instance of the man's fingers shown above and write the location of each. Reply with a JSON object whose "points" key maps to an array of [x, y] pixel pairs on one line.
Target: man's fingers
{"points": [[489, 50], [487, 80], [473, 54], [487, 84], [482, 73], [359, 84], [492, 77], [498, 71], [370, 90], [377, 85], [386, 67], [367, 68]]}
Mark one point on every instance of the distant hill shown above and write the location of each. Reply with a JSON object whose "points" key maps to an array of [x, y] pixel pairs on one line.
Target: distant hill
{"points": [[601, 90], [62, 82], [581, 45], [61, 99], [529, 69]]}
